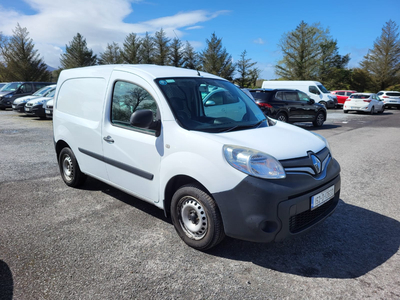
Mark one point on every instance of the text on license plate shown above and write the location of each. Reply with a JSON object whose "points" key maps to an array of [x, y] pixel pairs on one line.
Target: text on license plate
{"points": [[27, 109], [47, 111], [322, 197]]}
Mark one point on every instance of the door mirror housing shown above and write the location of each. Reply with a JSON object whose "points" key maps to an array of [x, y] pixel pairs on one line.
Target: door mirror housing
{"points": [[144, 119]]}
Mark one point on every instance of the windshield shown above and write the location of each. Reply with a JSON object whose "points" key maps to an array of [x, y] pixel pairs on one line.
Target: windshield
{"points": [[43, 91], [322, 88], [11, 87], [51, 93], [210, 105]]}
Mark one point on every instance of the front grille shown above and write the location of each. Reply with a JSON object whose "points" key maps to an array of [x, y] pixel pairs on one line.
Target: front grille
{"points": [[307, 218], [29, 104]]}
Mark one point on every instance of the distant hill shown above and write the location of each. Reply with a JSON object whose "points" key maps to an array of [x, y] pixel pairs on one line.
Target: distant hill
{"points": [[50, 69]]}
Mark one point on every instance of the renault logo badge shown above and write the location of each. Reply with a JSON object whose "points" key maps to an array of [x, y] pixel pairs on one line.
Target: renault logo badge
{"points": [[316, 163]]}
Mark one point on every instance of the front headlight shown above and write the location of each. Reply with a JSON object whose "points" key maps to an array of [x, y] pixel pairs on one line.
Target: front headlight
{"points": [[324, 140], [253, 162]]}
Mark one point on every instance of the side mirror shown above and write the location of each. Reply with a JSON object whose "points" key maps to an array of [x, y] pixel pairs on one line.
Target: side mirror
{"points": [[209, 103], [311, 101], [142, 118]]}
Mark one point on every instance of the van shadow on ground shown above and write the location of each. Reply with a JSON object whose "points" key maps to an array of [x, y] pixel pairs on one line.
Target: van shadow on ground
{"points": [[349, 244], [6, 282]]}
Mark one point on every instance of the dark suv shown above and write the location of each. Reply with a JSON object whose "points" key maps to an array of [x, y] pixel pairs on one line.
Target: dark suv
{"points": [[289, 106], [14, 90]]}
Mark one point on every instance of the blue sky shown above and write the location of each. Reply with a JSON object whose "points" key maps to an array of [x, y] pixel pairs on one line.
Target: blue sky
{"points": [[254, 26]]}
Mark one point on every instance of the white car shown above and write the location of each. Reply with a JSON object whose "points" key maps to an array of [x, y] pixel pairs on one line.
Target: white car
{"points": [[217, 169], [364, 102], [19, 103], [390, 98]]}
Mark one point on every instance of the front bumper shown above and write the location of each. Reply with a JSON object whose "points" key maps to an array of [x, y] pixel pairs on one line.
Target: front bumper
{"points": [[19, 107], [36, 110], [262, 210]]}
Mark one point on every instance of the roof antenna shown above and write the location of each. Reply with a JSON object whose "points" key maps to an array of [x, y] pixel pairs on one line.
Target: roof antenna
{"points": [[198, 73]]}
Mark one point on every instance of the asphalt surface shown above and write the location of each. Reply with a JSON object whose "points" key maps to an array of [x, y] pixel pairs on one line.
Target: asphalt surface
{"points": [[99, 243]]}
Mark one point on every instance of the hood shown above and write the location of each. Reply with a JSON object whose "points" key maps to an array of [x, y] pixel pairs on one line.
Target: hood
{"points": [[282, 141], [24, 99], [5, 93], [39, 99]]}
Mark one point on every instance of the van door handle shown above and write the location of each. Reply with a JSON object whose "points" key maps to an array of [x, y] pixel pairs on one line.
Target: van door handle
{"points": [[108, 139]]}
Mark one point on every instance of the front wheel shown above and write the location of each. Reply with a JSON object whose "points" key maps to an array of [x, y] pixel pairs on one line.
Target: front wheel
{"points": [[196, 218], [69, 168], [319, 120]]}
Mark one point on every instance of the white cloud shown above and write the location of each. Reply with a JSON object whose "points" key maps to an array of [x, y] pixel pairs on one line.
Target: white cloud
{"points": [[99, 21], [259, 41]]}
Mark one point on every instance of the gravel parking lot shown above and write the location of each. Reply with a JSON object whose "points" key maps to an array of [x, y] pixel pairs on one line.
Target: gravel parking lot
{"points": [[99, 243]]}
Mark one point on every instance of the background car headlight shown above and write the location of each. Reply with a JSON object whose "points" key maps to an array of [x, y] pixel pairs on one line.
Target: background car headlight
{"points": [[253, 162]]}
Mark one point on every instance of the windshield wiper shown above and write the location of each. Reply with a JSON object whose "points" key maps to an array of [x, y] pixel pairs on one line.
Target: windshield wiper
{"points": [[238, 127]]}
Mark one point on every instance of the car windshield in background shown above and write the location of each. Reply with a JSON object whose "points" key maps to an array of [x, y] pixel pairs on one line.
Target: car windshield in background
{"points": [[359, 96], [210, 105], [43, 91], [10, 87], [322, 88]]}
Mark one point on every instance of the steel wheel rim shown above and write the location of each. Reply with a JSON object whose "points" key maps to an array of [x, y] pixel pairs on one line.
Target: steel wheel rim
{"points": [[282, 118], [67, 168], [193, 218], [320, 119]]}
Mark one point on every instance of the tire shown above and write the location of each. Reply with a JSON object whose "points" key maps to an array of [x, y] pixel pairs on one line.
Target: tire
{"points": [[319, 120], [281, 117], [69, 168], [383, 109], [346, 111], [188, 203], [372, 110]]}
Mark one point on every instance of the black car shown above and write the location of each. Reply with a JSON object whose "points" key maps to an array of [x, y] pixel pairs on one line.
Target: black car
{"points": [[14, 90], [289, 106]]}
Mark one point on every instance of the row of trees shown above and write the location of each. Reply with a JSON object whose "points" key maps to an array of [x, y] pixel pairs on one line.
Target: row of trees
{"points": [[309, 53]]}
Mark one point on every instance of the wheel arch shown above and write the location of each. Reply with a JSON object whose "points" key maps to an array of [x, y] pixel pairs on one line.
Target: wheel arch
{"points": [[173, 185], [61, 144]]}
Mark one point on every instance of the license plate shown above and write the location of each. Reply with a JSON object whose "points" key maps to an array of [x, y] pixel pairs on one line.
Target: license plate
{"points": [[27, 109], [47, 111], [322, 197]]}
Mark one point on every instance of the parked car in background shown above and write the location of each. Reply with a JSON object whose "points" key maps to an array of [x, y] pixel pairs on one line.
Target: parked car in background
{"points": [[364, 102], [2, 84], [36, 107], [390, 98], [14, 90], [342, 95], [289, 105], [19, 103], [48, 109], [314, 89]]}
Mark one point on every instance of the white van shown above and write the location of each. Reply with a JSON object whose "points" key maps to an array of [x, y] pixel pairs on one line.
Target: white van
{"points": [[196, 146], [314, 89]]}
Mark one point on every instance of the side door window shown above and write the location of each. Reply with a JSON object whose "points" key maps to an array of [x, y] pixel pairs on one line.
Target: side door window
{"points": [[313, 89], [303, 97], [291, 96], [25, 88], [340, 93], [126, 99]]}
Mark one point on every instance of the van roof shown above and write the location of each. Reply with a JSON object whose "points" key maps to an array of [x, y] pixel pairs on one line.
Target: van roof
{"points": [[148, 71]]}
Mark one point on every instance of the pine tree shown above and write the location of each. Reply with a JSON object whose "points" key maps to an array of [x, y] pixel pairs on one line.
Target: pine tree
{"points": [[77, 54], [161, 43], [20, 61], [301, 52], [112, 55], [216, 60], [176, 53], [132, 49], [190, 57], [147, 49], [244, 68], [383, 60]]}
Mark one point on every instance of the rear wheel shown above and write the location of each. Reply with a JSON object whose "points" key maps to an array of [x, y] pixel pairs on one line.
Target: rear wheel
{"points": [[69, 168], [319, 120], [345, 111], [372, 110], [196, 217], [282, 117]]}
